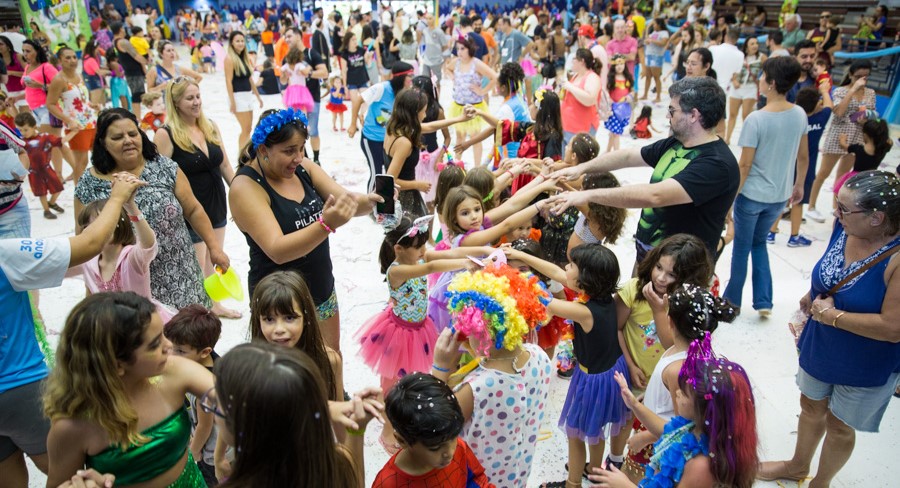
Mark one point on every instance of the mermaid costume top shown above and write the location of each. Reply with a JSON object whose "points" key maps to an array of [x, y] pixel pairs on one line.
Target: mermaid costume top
{"points": [[166, 444]]}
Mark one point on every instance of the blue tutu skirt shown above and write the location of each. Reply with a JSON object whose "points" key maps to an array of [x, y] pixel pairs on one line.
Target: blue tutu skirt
{"points": [[615, 125], [594, 409]]}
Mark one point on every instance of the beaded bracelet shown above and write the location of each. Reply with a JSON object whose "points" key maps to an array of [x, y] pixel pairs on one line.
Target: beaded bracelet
{"points": [[438, 368], [325, 226]]}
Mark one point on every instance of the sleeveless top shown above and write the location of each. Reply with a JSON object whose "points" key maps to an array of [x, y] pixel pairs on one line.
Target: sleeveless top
{"points": [[656, 397], [13, 82], [410, 300], [462, 85], [577, 117], [408, 171], [834, 355], [163, 75], [520, 114], [292, 216], [598, 350], [168, 440], [671, 452], [131, 66], [205, 176], [241, 83], [76, 104]]}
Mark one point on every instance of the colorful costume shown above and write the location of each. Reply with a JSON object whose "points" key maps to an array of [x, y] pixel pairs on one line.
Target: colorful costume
{"points": [[529, 147], [41, 175], [297, 95], [400, 339], [336, 101], [621, 111], [464, 471], [641, 128], [674, 449]]}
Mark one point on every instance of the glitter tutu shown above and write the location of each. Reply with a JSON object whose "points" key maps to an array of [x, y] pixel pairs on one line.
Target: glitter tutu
{"points": [[394, 347], [594, 409]]}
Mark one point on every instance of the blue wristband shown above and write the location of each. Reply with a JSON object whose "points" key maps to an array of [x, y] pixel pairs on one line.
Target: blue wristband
{"points": [[438, 368]]}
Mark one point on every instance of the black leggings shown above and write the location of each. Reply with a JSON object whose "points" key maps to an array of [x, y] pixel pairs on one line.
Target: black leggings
{"points": [[374, 152]]}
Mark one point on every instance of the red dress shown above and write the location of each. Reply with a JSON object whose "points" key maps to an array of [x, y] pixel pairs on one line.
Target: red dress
{"points": [[641, 130], [41, 175], [464, 471], [529, 147]]}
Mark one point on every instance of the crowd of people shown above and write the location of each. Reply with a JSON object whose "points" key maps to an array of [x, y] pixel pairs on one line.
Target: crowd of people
{"points": [[498, 266]]}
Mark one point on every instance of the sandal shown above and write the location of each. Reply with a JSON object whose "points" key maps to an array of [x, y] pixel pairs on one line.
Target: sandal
{"points": [[49, 215], [777, 476], [56, 207], [585, 473]]}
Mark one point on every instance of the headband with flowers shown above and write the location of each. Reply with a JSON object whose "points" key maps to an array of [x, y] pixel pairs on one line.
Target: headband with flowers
{"points": [[419, 226], [275, 122], [498, 305]]}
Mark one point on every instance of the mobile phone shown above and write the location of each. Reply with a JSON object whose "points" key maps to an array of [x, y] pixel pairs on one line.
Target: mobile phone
{"points": [[384, 187]]}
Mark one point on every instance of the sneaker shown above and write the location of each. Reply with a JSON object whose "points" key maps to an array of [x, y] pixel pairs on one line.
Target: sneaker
{"points": [[798, 241], [764, 313], [814, 214], [610, 463], [770, 238]]}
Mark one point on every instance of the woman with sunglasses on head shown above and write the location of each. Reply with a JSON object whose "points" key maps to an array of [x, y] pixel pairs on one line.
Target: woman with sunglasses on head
{"points": [[116, 397], [287, 207], [850, 346], [195, 143], [165, 71]]}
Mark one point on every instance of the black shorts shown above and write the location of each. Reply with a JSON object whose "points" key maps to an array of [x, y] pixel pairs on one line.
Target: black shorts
{"points": [[23, 426], [136, 85]]}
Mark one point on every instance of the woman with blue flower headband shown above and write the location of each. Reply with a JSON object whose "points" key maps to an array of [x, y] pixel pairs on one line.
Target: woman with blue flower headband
{"points": [[286, 206]]}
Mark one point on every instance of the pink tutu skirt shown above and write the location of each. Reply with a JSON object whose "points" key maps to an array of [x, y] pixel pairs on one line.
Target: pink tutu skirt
{"points": [[839, 182], [394, 347], [528, 67], [298, 97], [427, 170]]}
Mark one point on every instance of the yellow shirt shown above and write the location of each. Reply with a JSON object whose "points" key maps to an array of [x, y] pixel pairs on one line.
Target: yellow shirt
{"points": [[639, 23], [640, 330], [141, 45]]}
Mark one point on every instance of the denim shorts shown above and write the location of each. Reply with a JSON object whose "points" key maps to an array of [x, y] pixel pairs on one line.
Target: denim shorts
{"points": [[196, 239], [653, 61], [41, 115], [358, 87], [313, 119], [16, 222], [860, 408]]}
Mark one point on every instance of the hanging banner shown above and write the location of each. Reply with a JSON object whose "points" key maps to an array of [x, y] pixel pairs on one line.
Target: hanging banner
{"points": [[60, 20]]}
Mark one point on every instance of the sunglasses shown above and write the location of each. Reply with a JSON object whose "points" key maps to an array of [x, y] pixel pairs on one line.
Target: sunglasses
{"points": [[842, 210], [210, 404]]}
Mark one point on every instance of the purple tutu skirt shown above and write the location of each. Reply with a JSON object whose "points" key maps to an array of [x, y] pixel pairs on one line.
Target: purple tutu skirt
{"points": [[437, 301], [594, 409], [298, 97], [394, 347]]}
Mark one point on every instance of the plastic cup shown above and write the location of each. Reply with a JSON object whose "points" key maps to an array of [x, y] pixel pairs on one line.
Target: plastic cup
{"points": [[220, 286]]}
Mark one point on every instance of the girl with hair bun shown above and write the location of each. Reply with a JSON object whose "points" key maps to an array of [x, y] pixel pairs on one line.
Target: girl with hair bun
{"points": [[693, 312]]}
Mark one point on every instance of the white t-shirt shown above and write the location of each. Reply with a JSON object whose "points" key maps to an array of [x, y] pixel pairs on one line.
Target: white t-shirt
{"points": [[692, 14], [727, 60], [34, 263], [140, 20]]}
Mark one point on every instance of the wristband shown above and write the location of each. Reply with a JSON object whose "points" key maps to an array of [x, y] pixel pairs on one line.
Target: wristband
{"points": [[438, 368], [836, 317], [321, 222], [136, 218], [356, 432]]}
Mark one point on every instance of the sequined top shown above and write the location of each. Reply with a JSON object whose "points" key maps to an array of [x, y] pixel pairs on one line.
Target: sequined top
{"points": [[463, 83], [410, 300]]}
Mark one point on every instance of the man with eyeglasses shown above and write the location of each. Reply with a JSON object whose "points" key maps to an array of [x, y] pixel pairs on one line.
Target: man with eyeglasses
{"points": [[695, 174]]}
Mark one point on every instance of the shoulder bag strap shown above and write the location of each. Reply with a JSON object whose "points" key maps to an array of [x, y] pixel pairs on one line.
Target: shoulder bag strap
{"points": [[890, 252]]}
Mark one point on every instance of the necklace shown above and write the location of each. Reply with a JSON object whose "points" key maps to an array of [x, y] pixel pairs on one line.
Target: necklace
{"points": [[515, 361]]}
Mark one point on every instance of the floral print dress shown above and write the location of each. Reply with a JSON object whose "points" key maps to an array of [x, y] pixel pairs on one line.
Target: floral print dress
{"points": [[76, 104], [175, 275]]}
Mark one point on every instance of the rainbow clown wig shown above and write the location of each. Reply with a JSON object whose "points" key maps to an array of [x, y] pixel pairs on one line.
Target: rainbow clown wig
{"points": [[498, 305]]}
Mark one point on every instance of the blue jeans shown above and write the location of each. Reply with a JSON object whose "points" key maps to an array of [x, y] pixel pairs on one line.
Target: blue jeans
{"points": [[752, 221]]}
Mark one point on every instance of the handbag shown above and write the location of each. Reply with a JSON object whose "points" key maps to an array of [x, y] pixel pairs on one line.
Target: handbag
{"points": [[799, 320]]}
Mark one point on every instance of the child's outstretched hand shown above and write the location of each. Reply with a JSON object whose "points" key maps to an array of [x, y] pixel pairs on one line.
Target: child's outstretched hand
{"points": [[627, 396], [610, 479], [639, 441], [446, 349]]}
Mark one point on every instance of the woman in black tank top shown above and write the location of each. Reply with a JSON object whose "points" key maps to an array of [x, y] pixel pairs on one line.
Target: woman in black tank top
{"points": [[286, 206], [402, 146], [238, 70], [195, 143]]}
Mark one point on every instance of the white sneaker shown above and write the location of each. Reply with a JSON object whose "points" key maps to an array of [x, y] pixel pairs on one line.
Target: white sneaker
{"points": [[814, 214]]}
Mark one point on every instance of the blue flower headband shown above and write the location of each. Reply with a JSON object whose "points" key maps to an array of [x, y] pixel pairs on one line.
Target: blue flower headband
{"points": [[275, 122]]}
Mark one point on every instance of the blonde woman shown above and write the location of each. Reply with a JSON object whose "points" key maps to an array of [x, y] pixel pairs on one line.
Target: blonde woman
{"points": [[195, 143], [132, 424], [241, 90]]}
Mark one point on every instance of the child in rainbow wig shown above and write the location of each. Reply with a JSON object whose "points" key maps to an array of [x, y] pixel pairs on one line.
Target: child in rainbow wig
{"points": [[712, 441], [503, 397]]}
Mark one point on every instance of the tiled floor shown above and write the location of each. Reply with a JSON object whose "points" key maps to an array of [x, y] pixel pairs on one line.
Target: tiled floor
{"points": [[764, 347]]}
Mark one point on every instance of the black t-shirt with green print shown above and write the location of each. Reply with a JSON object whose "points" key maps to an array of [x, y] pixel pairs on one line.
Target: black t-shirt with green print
{"points": [[708, 173]]}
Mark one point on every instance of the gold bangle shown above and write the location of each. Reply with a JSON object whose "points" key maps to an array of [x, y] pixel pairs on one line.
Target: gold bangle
{"points": [[836, 317]]}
